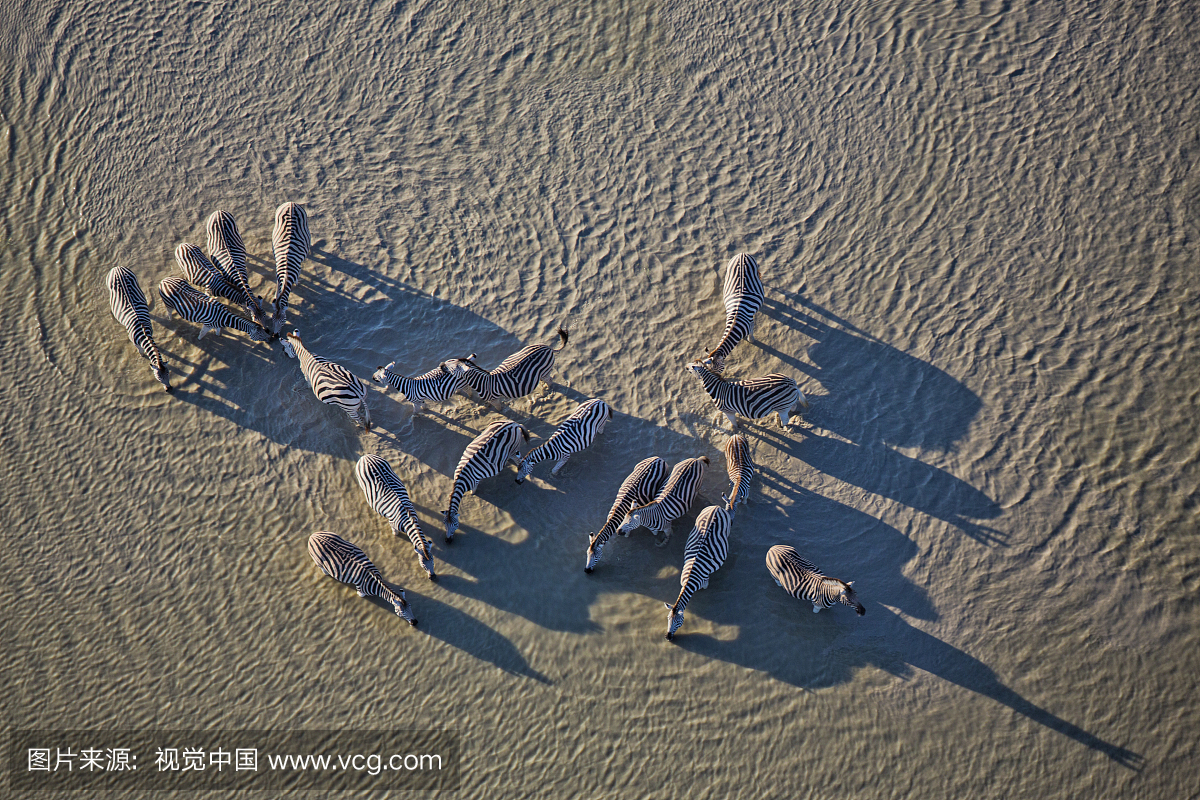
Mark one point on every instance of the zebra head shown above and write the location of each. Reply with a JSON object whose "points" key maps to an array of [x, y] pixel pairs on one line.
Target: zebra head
{"points": [[426, 559], [451, 524], [288, 347], [593, 554], [849, 598], [714, 363], [403, 609], [524, 468], [258, 333], [380, 375], [634, 520], [701, 370], [674, 620], [160, 373]]}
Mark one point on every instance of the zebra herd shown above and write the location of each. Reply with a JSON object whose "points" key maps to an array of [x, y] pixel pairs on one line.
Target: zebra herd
{"points": [[651, 496]]}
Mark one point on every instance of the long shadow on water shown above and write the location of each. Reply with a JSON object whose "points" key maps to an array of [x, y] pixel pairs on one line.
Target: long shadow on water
{"points": [[882, 639]]}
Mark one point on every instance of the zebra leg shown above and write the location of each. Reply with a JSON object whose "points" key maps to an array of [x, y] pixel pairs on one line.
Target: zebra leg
{"points": [[665, 539], [750, 332], [207, 329], [732, 419], [816, 609], [783, 418], [367, 414], [559, 464], [704, 583], [777, 583]]}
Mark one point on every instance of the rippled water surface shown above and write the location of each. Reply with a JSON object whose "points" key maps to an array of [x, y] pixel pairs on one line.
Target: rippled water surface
{"points": [[977, 227]]}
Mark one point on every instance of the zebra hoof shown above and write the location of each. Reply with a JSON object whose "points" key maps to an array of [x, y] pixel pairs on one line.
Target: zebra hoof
{"points": [[413, 623], [588, 571], [170, 389], [449, 540], [520, 482], [670, 637], [433, 577]]}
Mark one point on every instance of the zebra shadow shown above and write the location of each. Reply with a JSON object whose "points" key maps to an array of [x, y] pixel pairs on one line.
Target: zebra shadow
{"points": [[783, 638], [885, 472], [457, 629], [836, 537], [883, 394]]}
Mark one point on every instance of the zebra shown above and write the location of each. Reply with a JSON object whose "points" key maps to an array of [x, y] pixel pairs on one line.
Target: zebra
{"points": [[671, 502], [804, 581], [347, 563], [437, 384], [290, 245], [198, 270], [517, 375], [741, 471], [574, 434], [705, 551], [387, 496], [754, 398], [229, 254], [484, 457], [332, 383], [742, 292], [129, 306], [640, 487], [183, 299]]}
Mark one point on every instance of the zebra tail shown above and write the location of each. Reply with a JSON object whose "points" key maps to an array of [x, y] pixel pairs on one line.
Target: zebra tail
{"points": [[564, 333]]}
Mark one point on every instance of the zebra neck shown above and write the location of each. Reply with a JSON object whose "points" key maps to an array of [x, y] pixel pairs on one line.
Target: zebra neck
{"points": [[712, 383], [460, 488], [686, 591]]}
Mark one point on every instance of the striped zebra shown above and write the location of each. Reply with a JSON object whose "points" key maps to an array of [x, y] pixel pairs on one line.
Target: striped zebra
{"points": [[229, 254], [754, 398], [199, 271], [705, 551], [640, 487], [574, 434], [290, 245], [387, 496], [671, 502], [332, 383], [804, 581], [743, 295], [741, 471], [437, 384], [183, 299], [484, 457], [347, 563], [517, 375], [129, 306]]}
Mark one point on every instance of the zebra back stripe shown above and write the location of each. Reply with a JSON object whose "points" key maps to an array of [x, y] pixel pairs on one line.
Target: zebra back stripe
{"points": [[804, 581], [673, 501], [639, 487], [742, 292], [227, 250], [754, 398], [388, 497], [182, 298], [332, 383], [128, 305], [290, 244], [517, 375], [485, 457], [198, 270], [741, 471], [437, 384], [346, 562], [575, 433], [705, 552]]}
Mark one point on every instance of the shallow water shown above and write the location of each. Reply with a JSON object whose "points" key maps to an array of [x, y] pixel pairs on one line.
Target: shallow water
{"points": [[975, 222]]}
